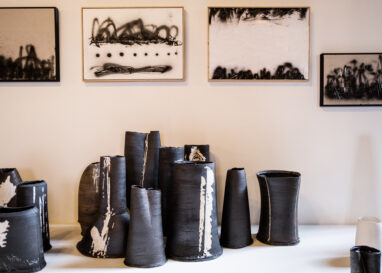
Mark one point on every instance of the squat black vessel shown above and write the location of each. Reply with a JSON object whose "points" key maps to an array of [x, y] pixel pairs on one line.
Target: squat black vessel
{"points": [[364, 259], [9, 179]]}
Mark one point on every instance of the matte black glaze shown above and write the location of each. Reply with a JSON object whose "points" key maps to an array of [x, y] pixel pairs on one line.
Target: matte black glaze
{"points": [[145, 246], [364, 259], [279, 205], [35, 193], [202, 153], [236, 222], [193, 193], [9, 175], [21, 248]]}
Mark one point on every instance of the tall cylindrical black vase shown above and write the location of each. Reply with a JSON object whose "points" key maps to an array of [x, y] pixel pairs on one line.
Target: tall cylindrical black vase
{"points": [[35, 193], [21, 247], [193, 234], [9, 179], [167, 157], [279, 205], [364, 259], [145, 246], [88, 196], [107, 236], [197, 153], [236, 222]]}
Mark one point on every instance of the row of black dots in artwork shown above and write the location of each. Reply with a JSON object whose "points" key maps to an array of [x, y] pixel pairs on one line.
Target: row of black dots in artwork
{"points": [[122, 54]]}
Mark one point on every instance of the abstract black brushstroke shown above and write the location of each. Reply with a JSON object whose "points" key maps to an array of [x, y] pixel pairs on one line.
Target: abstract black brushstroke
{"points": [[110, 68], [355, 81], [133, 32], [28, 67]]}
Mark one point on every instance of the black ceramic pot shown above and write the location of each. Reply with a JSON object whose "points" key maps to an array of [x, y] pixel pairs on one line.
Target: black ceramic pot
{"points": [[236, 222], [145, 246], [9, 179], [88, 196], [35, 193], [21, 247], [279, 204], [142, 158], [107, 236], [197, 153], [167, 157], [193, 234], [364, 259]]}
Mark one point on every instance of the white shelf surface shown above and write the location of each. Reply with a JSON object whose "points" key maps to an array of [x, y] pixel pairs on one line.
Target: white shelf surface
{"points": [[322, 249]]}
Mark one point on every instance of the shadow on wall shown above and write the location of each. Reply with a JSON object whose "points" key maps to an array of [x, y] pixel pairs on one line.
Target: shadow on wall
{"points": [[253, 197]]}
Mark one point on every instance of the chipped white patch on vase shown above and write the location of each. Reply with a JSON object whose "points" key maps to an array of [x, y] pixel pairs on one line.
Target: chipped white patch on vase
{"points": [[95, 178], [7, 192], [4, 227], [201, 212], [196, 155], [43, 212]]}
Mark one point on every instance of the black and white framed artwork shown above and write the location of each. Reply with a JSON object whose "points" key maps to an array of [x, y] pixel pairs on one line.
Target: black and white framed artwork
{"points": [[133, 44], [351, 79], [29, 44], [249, 43]]}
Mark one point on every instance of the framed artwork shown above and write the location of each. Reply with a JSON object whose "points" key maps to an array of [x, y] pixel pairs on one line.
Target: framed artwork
{"points": [[250, 43], [133, 44], [29, 44], [351, 79]]}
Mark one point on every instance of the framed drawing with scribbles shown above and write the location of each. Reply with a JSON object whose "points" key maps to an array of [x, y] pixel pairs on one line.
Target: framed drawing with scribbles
{"points": [[133, 44], [29, 46]]}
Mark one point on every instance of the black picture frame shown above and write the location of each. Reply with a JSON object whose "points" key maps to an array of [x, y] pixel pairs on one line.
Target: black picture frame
{"points": [[56, 57], [350, 79]]}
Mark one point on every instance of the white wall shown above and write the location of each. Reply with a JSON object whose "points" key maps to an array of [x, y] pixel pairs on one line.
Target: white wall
{"points": [[52, 131]]}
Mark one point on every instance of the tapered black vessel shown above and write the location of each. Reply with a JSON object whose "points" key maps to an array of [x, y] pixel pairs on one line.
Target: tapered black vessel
{"points": [[193, 234], [21, 247], [236, 222], [107, 236], [88, 196], [167, 157], [9, 179], [35, 193], [279, 205], [197, 153], [364, 259], [145, 246]]}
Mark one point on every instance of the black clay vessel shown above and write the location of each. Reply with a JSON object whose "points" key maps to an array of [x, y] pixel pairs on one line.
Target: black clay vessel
{"points": [[167, 157], [107, 236], [364, 259], [21, 247], [9, 179], [35, 193], [142, 159], [279, 204], [236, 222], [145, 246], [88, 196], [197, 152], [193, 234]]}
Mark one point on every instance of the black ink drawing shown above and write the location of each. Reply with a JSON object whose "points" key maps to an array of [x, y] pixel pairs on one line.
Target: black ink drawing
{"points": [[110, 68]]}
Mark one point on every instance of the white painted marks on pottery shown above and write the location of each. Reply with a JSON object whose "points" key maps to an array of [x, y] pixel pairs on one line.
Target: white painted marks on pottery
{"points": [[145, 160], [95, 178], [4, 227], [7, 192], [196, 155]]}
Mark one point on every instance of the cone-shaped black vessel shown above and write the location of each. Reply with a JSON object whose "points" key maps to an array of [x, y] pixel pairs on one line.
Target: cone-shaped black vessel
{"points": [[9, 179], [35, 193], [236, 222], [88, 196], [107, 236], [364, 259], [197, 153], [145, 246], [21, 247], [279, 204], [167, 157], [193, 234]]}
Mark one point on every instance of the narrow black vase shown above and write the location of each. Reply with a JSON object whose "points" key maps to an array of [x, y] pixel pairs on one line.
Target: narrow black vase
{"points": [[236, 222], [88, 196], [197, 153], [142, 158], [145, 246], [21, 247], [9, 179], [107, 236], [364, 259], [193, 234], [279, 205], [167, 157], [35, 193]]}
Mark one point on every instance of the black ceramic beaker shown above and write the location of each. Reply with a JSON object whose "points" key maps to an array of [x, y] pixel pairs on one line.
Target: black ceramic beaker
{"points": [[364, 259]]}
